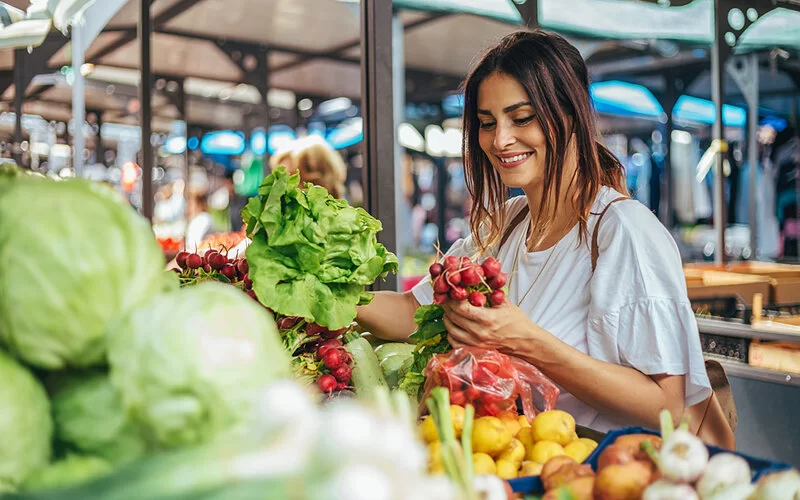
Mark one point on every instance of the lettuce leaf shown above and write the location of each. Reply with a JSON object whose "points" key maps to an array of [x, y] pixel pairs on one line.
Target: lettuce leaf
{"points": [[312, 255]]}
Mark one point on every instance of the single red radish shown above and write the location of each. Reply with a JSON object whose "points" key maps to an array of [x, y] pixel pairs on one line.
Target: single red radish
{"points": [[451, 263], [440, 285], [288, 322], [243, 267], [477, 299], [180, 259], [327, 345], [465, 263], [333, 359], [209, 253], [342, 373], [469, 276], [458, 293], [491, 267], [497, 297], [194, 261], [341, 386], [499, 281], [439, 298], [206, 267], [332, 334], [327, 383], [435, 269], [314, 329], [457, 398], [248, 283], [453, 277], [216, 261], [228, 271]]}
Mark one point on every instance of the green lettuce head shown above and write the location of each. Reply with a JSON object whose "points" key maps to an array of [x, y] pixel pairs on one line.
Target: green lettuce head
{"points": [[69, 471], [26, 427], [189, 364], [88, 417], [74, 260]]}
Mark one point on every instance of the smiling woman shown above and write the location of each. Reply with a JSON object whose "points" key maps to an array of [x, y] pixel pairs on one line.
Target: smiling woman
{"points": [[601, 309]]}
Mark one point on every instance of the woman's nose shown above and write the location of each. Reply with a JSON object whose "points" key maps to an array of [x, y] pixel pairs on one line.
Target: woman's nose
{"points": [[503, 137]]}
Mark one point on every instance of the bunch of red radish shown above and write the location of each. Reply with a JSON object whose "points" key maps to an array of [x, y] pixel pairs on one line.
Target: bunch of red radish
{"points": [[460, 279], [334, 363], [214, 264]]}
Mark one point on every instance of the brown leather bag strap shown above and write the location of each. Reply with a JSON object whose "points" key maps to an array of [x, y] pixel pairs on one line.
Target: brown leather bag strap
{"points": [[515, 221], [595, 245]]}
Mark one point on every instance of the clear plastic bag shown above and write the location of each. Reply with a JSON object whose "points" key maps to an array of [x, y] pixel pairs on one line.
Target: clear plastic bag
{"points": [[491, 381]]}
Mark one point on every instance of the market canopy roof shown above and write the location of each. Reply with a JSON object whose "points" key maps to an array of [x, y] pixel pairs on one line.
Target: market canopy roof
{"points": [[315, 48]]}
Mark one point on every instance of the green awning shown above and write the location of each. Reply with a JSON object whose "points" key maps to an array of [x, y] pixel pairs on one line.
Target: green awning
{"points": [[629, 19]]}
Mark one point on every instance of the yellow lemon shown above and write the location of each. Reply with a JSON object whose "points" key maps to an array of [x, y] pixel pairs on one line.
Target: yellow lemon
{"points": [[554, 425], [578, 451], [525, 436], [483, 464], [591, 443], [427, 430], [543, 451], [530, 468], [512, 423], [515, 452], [490, 436], [507, 470], [457, 416], [523, 421], [435, 453]]}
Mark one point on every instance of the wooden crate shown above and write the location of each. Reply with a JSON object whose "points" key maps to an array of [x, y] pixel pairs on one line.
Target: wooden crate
{"points": [[701, 284]]}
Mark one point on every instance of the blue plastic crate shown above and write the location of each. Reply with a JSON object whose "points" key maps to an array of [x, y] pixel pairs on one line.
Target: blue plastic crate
{"points": [[759, 466]]}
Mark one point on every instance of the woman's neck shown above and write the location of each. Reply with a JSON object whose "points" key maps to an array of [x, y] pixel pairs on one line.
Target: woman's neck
{"points": [[563, 219]]}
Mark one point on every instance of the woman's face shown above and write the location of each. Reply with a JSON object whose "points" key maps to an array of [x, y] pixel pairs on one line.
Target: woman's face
{"points": [[510, 134]]}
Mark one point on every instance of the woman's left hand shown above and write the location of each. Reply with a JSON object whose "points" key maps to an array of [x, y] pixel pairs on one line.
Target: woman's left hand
{"points": [[499, 327]]}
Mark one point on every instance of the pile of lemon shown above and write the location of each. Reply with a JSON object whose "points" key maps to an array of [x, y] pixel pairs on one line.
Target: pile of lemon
{"points": [[510, 446]]}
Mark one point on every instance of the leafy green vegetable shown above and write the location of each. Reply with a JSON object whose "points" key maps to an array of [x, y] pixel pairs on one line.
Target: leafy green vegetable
{"points": [[25, 423], [88, 417], [69, 471], [189, 365], [431, 339], [312, 255], [75, 259]]}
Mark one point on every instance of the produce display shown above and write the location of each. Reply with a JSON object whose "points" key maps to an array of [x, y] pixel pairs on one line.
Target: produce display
{"points": [[675, 465], [245, 376], [312, 254], [458, 279]]}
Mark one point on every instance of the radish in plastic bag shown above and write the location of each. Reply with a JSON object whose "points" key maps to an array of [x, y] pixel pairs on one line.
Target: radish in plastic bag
{"points": [[490, 381]]}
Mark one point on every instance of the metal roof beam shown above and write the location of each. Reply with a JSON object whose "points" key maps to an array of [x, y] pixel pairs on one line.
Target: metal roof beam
{"points": [[129, 35]]}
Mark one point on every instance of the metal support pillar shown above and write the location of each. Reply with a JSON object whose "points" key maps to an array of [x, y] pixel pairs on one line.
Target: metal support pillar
{"points": [[78, 98], [99, 150], [670, 97], [402, 205], [19, 97], [377, 106], [744, 71], [145, 98], [719, 54]]}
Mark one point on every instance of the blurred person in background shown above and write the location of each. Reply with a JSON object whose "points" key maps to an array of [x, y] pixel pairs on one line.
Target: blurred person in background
{"points": [[316, 162]]}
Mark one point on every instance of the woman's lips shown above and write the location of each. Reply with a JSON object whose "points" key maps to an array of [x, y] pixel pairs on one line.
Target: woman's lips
{"points": [[511, 161]]}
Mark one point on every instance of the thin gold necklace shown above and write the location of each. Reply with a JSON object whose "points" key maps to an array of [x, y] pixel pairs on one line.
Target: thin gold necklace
{"points": [[515, 268]]}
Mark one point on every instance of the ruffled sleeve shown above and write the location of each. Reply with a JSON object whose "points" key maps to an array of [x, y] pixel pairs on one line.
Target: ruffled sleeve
{"points": [[640, 315], [654, 336]]}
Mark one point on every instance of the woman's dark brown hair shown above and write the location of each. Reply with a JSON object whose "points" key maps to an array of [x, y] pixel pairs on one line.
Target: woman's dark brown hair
{"points": [[556, 80]]}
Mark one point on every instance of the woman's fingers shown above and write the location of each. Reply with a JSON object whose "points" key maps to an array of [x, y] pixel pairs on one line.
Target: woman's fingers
{"points": [[457, 335]]}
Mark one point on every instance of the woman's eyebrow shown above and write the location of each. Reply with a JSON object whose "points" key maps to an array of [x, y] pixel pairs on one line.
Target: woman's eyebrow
{"points": [[507, 109]]}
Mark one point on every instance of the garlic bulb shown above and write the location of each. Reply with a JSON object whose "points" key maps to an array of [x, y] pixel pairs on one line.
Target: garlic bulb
{"points": [[723, 471], [683, 457]]}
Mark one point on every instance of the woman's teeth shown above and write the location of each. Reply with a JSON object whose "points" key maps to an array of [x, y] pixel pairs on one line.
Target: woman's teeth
{"points": [[512, 159]]}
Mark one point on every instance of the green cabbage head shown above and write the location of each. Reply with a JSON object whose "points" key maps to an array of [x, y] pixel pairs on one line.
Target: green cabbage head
{"points": [[88, 417], [26, 427], [189, 364], [74, 260]]}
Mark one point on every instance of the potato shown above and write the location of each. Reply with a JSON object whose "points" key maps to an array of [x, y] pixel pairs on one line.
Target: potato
{"points": [[566, 474], [612, 455], [633, 444], [577, 489], [622, 481], [554, 464]]}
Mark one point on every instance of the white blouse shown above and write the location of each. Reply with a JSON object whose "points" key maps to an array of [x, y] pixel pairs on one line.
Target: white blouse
{"points": [[632, 311]]}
